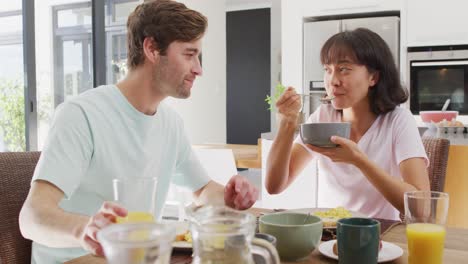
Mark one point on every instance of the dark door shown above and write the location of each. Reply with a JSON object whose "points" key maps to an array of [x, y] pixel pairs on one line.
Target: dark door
{"points": [[248, 75]]}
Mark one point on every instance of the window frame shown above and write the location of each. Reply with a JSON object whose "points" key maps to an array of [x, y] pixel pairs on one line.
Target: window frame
{"points": [[100, 34]]}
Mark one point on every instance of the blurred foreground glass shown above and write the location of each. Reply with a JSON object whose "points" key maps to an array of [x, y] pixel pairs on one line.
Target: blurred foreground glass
{"points": [[224, 235], [138, 196], [138, 243], [425, 216]]}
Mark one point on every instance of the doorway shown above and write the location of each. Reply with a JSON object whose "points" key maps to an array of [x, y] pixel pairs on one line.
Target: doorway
{"points": [[248, 74]]}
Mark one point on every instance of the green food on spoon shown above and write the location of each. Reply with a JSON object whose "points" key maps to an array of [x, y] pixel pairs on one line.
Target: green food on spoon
{"points": [[271, 100]]}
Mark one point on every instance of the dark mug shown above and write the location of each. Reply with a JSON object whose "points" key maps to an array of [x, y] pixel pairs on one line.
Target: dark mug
{"points": [[358, 240]]}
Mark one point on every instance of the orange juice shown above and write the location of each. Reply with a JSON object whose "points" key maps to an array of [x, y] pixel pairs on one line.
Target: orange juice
{"points": [[425, 243], [135, 217]]}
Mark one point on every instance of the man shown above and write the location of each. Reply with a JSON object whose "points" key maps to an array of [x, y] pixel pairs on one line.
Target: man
{"points": [[123, 131]]}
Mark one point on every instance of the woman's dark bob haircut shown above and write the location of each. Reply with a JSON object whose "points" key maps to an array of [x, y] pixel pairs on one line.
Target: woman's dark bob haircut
{"points": [[364, 47]]}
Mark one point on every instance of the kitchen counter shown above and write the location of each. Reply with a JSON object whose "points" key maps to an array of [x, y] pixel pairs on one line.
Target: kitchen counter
{"points": [[245, 156], [456, 185]]}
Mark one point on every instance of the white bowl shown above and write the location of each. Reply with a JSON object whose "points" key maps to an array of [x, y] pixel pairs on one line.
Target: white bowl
{"points": [[437, 116]]}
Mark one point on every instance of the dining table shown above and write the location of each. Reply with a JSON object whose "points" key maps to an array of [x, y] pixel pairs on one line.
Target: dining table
{"points": [[455, 251]]}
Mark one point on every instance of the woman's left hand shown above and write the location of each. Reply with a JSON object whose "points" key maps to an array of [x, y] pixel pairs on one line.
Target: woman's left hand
{"points": [[347, 151]]}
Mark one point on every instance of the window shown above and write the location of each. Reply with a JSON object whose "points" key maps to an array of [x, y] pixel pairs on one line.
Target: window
{"points": [[116, 38], [63, 61], [69, 43], [12, 118]]}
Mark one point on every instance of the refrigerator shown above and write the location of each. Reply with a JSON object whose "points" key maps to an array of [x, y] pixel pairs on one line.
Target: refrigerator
{"points": [[317, 32]]}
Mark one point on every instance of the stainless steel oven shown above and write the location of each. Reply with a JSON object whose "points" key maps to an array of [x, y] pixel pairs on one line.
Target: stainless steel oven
{"points": [[437, 74], [315, 92]]}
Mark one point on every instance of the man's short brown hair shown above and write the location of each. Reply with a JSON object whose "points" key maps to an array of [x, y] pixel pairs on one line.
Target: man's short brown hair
{"points": [[164, 21]]}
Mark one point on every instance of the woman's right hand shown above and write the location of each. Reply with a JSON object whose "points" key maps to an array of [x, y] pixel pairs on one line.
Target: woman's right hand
{"points": [[106, 215], [289, 105]]}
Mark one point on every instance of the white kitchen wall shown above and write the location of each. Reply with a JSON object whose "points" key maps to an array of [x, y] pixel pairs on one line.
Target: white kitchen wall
{"points": [[204, 113]]}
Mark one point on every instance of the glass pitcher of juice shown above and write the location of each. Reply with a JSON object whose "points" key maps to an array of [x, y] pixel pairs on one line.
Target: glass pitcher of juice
{"points": [[138, 196], [425, 216], [137, 243], [223, 235]]}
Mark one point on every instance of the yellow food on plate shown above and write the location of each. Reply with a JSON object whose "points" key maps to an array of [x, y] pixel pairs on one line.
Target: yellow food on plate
{"points": [[329, 217], [186, 236], [338, 213]]}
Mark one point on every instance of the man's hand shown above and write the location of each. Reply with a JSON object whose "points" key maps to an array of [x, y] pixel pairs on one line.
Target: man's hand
{"points": [[104, 217], [239, 193]]}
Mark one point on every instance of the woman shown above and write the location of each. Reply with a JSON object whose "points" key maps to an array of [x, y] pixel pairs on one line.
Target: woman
{"points": [[384, 156]]}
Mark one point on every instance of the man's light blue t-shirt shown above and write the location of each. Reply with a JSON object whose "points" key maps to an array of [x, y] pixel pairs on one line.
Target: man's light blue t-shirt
{"points": [[99, 136]]}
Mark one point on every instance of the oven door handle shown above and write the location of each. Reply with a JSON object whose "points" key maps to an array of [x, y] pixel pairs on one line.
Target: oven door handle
{"points": [[438, 63]]}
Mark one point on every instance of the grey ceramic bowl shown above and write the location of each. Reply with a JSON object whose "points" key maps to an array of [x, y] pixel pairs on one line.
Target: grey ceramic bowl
{"points": [[295, 239], [319, 134]]}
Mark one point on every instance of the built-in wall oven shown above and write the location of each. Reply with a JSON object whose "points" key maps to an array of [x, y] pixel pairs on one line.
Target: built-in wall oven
{"points": [[437, 74], [316, 92]]}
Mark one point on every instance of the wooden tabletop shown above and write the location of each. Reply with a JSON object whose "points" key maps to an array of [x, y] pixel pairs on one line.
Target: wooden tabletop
{"points": [[456, 248]]}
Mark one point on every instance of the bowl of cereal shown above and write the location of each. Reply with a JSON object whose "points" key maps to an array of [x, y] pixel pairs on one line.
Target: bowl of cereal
{"points": [[330, 216]]}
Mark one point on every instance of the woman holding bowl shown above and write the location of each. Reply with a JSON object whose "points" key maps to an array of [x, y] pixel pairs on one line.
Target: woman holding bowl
{"points": [[384, 156]]}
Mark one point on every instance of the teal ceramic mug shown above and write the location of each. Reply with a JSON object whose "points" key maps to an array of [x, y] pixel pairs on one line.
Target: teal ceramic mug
{"points": [[358, 240]]}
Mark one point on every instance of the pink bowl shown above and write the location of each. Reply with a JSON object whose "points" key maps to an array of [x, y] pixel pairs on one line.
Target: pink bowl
{"points": [[437, 116]]}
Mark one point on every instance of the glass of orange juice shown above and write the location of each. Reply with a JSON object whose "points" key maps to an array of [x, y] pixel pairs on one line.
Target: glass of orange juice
{"points": [[425, 216], [138, 196]]}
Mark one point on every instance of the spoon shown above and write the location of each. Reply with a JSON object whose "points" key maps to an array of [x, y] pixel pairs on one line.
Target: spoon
{"points": [[327, 99], [323, 100], [305, 219], [446, 104]]}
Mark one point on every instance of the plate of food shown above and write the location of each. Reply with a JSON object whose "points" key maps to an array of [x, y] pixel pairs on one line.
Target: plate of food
{"points": [[387, 251], [330, 216], [183, 240]]}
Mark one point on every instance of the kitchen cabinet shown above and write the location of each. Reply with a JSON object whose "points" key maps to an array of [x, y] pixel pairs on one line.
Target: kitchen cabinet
{"points": [[456, 185], [434, 22], [340, 5], [302, 193]]}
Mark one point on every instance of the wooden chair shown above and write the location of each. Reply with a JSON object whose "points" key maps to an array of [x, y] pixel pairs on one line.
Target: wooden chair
{"points": [[16, 170], [437, 150]]}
